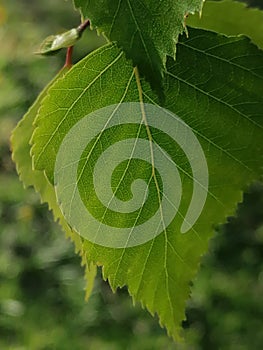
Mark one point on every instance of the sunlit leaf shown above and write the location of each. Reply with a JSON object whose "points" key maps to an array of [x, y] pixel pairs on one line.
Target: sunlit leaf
{"points": [[147, 31], [230, 17], [216, 88], [21, 155]]}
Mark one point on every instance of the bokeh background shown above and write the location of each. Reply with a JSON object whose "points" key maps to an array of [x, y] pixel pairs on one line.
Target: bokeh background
{"points": [[42, 293]]}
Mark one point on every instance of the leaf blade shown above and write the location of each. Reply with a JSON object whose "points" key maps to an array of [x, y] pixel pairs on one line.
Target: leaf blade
{"points": [[147, 31], [206, 89], [240, 19], [20, 142]]}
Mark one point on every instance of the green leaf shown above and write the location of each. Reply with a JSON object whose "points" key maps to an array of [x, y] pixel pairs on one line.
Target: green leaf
{"points": [[147, 31], [231, 18], [21, 155], [215, 87]]}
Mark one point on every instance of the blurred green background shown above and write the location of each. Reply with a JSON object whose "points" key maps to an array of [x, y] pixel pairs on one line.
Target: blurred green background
{"points": [[42, 294]]}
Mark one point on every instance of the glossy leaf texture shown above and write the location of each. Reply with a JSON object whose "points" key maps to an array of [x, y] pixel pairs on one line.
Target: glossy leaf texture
{"points": [[147, 31], [21, 156], [239, 19], [216, 88]]}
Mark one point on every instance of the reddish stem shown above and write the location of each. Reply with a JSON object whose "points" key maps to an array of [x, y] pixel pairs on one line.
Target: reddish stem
{"points": [[68, 62], [83, 26]]}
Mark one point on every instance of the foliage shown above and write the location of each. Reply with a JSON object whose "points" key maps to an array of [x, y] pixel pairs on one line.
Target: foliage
{"points": [[240, 19], [240, 97], [147, 31]]}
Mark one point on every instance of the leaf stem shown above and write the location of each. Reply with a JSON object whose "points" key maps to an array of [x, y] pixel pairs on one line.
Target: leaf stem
{"points": [[68, 62], [83, 26], [80, 29]]}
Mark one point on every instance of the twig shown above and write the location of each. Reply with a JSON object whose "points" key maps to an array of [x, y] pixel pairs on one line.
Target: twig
{"points": [[68, 62], [83, 26]]}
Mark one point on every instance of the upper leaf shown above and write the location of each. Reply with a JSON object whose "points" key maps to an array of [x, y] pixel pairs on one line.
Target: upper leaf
{"points": [[239, 19], [216, 87], [147, 30]]}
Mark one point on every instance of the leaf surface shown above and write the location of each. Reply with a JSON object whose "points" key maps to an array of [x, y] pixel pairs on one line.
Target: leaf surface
{"points": [[216, 88], [147, 30], [21, 155], [239, 19]]}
